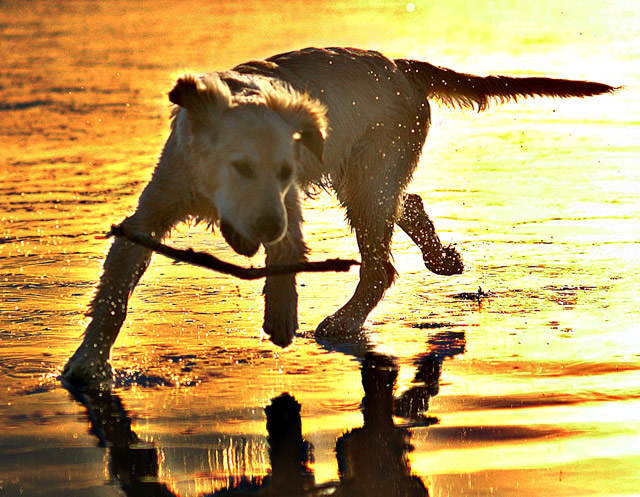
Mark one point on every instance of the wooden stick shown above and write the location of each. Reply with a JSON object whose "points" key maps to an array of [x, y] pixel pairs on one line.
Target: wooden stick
{"points": [[210, 262]]}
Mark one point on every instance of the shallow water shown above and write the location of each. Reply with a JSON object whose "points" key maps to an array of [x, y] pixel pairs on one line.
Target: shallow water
{"points": [[533, 389]]}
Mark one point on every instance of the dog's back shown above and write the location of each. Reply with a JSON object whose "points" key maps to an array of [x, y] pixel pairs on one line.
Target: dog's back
{"points": [[368, 98]]}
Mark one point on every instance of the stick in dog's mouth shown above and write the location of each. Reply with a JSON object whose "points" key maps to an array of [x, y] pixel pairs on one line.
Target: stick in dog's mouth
{"points": [[208, 261]]}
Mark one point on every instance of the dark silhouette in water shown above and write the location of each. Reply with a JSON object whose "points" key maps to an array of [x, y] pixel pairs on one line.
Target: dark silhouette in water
{"points": [[372, 459], [133, 464], [426, 383], [290, 454]]}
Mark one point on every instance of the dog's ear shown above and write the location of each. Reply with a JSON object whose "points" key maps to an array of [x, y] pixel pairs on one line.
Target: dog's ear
{"points": [[307, 116], [201, 96], [186, 92], [313, 139]]}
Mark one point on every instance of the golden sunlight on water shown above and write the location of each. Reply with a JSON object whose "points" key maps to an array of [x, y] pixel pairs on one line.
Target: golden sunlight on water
{"points": [[527, 387]]}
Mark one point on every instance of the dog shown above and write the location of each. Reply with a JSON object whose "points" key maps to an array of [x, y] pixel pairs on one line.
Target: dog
{"points": [[246, 143]]}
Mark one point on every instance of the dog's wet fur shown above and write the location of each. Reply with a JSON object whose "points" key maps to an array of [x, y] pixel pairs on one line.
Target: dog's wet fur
{"points": [[246, 143]]}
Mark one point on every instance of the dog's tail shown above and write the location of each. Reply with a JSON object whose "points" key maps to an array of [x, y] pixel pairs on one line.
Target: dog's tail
{"points": [[469, 91]]}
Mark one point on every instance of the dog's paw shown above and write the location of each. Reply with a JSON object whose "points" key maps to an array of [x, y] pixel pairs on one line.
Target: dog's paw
{"points": [[341, 324], [86, 371], [281, 326], [280, 310], [448, 263]]}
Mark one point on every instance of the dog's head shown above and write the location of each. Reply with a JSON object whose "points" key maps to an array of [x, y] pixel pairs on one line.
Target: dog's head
{"points": [[246, 153]]}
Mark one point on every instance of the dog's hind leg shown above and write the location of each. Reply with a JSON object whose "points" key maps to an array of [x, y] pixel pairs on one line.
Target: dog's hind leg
{"points": [[280, 295], [416, 223], [376, 276], [371, 196]]}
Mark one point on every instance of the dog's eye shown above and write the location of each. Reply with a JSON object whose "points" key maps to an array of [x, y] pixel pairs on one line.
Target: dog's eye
{"points": [[285, 172], [244, 169]]}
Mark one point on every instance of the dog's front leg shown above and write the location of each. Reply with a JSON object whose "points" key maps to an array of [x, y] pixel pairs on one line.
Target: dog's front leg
{"points": [[280, 295], [125, 264]]}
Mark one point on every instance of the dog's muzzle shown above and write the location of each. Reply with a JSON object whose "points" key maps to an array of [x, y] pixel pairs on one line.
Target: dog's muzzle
{"points": [[237, 242], [270, 228]]}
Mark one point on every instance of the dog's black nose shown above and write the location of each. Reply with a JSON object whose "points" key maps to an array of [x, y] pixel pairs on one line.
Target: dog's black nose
{"points": [[269, 227]]}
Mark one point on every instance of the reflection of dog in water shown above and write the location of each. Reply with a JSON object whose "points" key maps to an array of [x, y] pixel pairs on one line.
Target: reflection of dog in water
{"points": [[414, 402], [245, 143], [372, 460]]}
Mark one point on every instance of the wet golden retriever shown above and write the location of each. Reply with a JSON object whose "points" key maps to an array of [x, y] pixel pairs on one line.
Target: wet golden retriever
{"points": [[245, 143]]}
